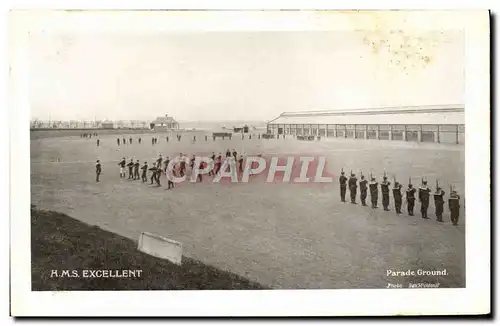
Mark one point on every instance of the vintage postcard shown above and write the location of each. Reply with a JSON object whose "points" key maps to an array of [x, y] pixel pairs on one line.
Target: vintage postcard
{"points": [[249, 162]]}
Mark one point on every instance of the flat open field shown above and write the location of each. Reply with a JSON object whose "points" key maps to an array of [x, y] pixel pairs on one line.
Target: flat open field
{"points": [[280, 235]]}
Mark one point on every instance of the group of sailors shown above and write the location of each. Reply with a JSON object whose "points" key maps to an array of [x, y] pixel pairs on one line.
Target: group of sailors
{"points": [[160, 167], [424, 194], [179, 169], [88, 135], [154, 140]]}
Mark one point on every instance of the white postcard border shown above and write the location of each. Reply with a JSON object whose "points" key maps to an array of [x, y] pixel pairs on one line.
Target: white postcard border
{"points": [[473, 299]]}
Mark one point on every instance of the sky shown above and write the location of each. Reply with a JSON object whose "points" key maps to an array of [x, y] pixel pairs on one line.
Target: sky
{"points": [[250, 75]]}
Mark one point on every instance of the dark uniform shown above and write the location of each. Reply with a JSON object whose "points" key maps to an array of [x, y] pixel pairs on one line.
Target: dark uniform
{"points": [[200, 167], [130, 140], [206, 138], [153, 174], [384, 187], [97, 171], [98, 142], [130, 168], [144, 169], [158, 162], [353, 186], [191, 162], [118, 141], [439, 203], [240, 164], [454, 206], [235, 155], [122, 168], [183, 166], [228, 153], [140, 140], [136, 170], [362, 189], [423, 197], [398, 197], [124, 141], [374, 192], [218, 163], [158, 175], [343, 186], [211, 171], [410, 198], [167, 139]]}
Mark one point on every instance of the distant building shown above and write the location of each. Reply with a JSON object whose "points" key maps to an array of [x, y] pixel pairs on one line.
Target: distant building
{"points": [[164, 123], [107, 124], [435, 123], [243, 129]]}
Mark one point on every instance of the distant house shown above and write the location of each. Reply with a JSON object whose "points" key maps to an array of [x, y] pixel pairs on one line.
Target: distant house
{"points": [[243, 129], [107, 124], [164, 123]]}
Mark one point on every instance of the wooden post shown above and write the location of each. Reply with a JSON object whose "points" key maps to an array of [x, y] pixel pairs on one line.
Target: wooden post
{"points": [[457, 134]]}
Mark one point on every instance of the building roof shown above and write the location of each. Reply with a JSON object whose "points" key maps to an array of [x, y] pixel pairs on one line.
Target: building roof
{"points": [[165, 119], [433, 114]]}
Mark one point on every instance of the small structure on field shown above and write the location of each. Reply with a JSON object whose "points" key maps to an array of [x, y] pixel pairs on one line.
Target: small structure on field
{"points": [[222, 134], [107, 124], [243, 129], [164, 123]]}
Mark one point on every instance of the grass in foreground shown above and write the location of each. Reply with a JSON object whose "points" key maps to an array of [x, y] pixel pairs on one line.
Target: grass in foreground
{"points": [[59, 242]]}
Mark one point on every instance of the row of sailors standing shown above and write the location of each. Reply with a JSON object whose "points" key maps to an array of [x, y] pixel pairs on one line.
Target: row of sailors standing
{"points": [[424, 193]]}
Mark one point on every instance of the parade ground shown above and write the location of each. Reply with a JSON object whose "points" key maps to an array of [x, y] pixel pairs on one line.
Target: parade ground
{"points": [[283, 236]]}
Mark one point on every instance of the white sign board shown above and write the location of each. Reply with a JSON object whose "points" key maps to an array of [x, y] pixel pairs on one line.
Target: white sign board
{"points": [[160, 247]]}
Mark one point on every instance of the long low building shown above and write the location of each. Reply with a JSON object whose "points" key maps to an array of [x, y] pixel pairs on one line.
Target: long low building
{"points": [[438, 123]]}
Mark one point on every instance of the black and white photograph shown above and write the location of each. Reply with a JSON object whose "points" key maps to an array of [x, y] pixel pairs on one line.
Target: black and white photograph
{"points": [[253, 151]]}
